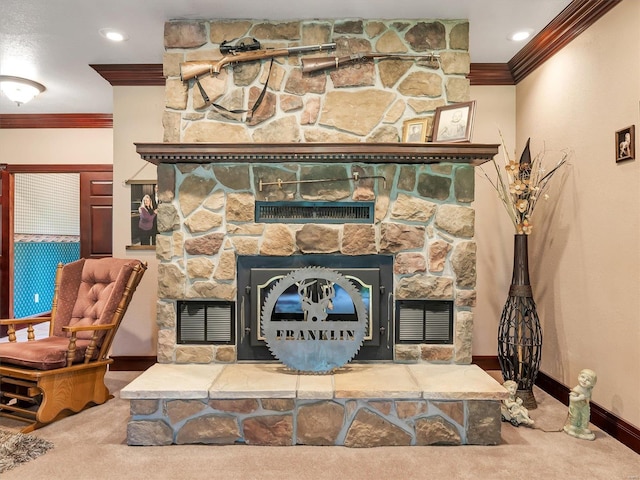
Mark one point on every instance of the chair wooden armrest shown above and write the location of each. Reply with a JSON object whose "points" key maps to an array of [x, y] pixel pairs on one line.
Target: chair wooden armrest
{"points": [[71, 349], [87, 328], [30, 322], [24, 321]]}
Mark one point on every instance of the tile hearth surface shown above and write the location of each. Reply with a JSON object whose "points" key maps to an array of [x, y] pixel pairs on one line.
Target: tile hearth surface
{"points": [[269, 380]]}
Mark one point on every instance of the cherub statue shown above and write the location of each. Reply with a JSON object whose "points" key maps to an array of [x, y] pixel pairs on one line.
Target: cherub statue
{"points": [[579, 410], [512, 409]]}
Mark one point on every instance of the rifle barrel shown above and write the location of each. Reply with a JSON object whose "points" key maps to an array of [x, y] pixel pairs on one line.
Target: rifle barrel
{"points": [[312, 48], [197, 68], [314, 64]]}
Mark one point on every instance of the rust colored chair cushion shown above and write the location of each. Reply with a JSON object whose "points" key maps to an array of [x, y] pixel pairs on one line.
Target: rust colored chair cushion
{"points": [[98, 287], [70, 278], [45, 354]]}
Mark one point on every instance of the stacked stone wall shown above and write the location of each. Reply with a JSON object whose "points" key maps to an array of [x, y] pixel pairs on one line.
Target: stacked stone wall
{"points": [[363, 102], [288, 421], [423, 214], [206, 219]]}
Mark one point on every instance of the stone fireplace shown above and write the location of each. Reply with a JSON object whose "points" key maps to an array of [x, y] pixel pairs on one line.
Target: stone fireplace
{"points": [[330, 140], [422, 228], [331, 137], [429, 394]]}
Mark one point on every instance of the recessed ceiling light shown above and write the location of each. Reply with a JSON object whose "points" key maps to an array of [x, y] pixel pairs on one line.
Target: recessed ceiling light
{"points": [[113, 35], [520, 35]]}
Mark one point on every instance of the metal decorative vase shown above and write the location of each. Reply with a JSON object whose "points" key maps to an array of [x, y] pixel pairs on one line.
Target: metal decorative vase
{"points": [[519, 333]]}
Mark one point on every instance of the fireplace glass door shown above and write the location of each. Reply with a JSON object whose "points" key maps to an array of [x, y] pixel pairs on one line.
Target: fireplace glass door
{"points": [[371, 276]]}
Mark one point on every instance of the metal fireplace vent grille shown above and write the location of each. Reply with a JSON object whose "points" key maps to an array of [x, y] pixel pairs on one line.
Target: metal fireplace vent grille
{"points": [[205, 322], [424, 321], [315, 212]]}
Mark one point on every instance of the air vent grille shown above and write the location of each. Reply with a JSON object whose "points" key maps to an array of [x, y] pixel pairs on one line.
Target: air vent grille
{"points": [[315, 212], [205, 322], [424, 321]]}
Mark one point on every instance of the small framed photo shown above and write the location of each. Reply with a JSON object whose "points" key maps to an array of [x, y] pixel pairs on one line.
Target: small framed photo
{"points": [[144, 209], [454, 123], [626, 144], [415, 130]]}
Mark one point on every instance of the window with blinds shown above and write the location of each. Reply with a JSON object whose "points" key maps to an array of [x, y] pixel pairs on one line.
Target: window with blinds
{"points": [[205, 322], [424, 321]]}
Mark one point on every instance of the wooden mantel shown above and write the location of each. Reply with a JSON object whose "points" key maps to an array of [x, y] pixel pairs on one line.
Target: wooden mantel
{"points": [[469, 153]]}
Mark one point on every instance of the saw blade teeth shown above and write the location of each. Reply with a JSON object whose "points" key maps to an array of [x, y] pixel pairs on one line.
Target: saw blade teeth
{"points": [[313, 359]]}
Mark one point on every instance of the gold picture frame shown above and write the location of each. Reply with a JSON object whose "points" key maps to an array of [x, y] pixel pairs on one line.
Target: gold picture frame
{"points": [[454, 123], [415, 130]]}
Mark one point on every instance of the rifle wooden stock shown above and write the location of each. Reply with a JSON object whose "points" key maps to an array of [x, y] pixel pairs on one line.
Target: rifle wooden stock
{"points": [[315, 64], [197, 68]]}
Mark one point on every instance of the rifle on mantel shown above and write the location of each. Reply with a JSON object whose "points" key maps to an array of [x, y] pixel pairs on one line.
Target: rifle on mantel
{"points": [[315, 64], [241, 53], [197, 68]]}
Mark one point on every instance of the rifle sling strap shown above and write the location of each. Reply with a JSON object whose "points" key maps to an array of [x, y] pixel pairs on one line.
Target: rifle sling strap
{"points": [[250, 111]]}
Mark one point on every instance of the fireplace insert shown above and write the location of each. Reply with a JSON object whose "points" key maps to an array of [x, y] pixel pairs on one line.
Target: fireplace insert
{"points": [[372, 276]]}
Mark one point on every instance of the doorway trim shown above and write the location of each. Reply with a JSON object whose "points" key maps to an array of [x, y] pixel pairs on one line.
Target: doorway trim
{"points": [[6, 227]]}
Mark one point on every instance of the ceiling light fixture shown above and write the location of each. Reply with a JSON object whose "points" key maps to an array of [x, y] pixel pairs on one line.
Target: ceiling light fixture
{"points": [[20, 90], [113, 35]]}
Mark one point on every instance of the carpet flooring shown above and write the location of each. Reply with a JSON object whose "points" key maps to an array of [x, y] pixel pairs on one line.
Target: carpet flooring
{"points": [[92, 446]]}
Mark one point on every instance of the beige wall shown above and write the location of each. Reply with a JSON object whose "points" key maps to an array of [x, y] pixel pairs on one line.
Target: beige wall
{"points": [[137, 117], [38, 146], [585, 265], [495, 114]]}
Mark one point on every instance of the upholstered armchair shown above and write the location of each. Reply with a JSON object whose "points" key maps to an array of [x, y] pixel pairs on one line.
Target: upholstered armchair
{"points": [[44, 379]]}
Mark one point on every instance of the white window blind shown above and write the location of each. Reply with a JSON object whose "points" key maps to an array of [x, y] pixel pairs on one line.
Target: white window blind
{"points": [[47, 204]]}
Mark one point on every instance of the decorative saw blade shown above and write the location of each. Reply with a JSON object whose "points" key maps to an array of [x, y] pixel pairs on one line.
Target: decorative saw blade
{"points": [[315, 344]]}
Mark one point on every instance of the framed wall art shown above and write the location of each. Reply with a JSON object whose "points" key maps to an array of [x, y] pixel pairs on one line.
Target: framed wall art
{"points": [[144, 210], [454, 123], [626, 144], [415, 130]]}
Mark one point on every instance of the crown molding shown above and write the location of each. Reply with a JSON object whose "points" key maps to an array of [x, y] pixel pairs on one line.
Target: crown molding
{"points": [[571, 22], [57, 120], [490, 74], [142, 74]]}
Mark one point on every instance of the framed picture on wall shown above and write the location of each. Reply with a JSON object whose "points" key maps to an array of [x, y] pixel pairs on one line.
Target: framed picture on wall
{"points": [[144, 209], [415, 130], [454, 123], [626, 144]]}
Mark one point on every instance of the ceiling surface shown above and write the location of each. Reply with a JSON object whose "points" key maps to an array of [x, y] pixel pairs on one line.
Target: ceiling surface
{"points": [[54, 41]]}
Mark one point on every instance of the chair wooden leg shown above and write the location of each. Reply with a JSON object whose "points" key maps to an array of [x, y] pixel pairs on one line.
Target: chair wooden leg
{"points": [[19, 400]]}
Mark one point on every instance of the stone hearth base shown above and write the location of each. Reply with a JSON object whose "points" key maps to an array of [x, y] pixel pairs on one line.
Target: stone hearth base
{"points": [[360, 405]]}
